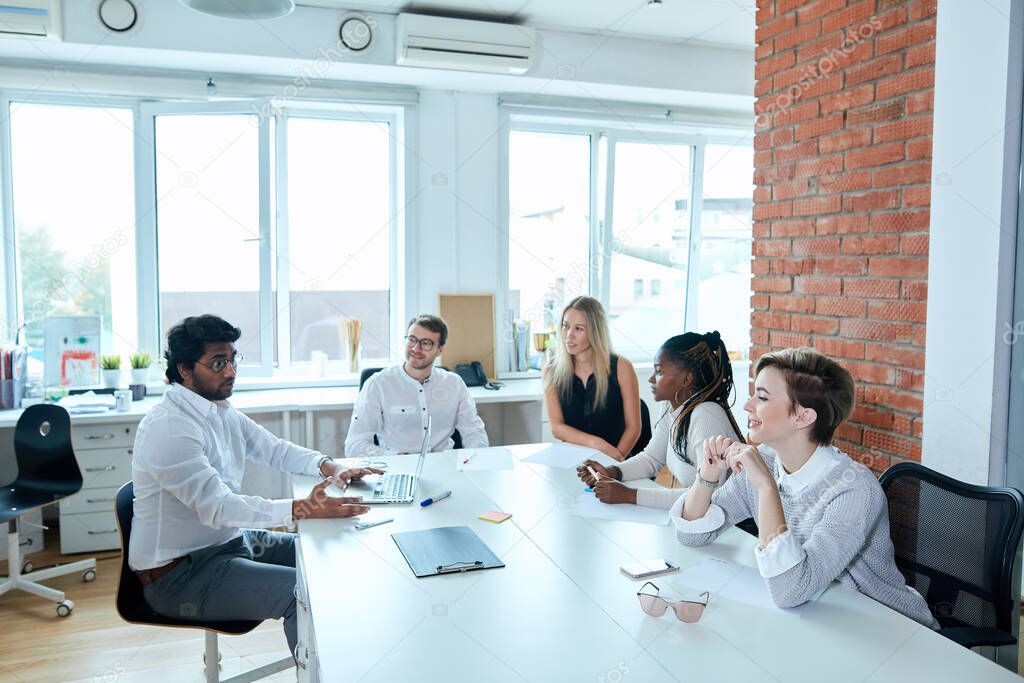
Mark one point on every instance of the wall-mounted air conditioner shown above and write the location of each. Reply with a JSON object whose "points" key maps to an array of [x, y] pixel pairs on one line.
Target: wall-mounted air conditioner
{"points": [[40, 18], [443, 43]]}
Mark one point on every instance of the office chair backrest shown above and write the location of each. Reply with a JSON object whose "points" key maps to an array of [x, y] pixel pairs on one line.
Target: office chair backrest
{"points": [[645, 430], [956, 544], [366, 374], [42, 445]]}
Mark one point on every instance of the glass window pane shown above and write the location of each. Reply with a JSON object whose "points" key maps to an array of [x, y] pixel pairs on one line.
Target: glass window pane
{"points": [[725, 245], [207, 187], [339, 225], [74, 216], [651, 234], [549, 223]]}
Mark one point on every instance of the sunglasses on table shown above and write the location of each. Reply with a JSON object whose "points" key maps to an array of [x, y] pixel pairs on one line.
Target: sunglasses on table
{"points": [[687, 611]]}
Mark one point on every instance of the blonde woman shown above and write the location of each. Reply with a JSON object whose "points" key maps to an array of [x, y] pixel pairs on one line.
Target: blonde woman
{"points": [[592, 395]]}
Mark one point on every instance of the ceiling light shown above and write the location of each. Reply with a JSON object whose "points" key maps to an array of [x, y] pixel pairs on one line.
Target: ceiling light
{"points": [[242, 9]]}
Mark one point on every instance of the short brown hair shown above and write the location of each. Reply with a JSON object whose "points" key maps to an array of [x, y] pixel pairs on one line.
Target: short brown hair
{"points": [[817, 382], [433, 323]]}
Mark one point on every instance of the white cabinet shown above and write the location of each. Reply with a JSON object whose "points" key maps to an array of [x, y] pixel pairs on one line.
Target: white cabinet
{"points": [[305, 650], [87, 519]]}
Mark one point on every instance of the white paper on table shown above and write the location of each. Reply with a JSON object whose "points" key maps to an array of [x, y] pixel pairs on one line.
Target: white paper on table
{"points": [[561, 455], [587, 505], [484, 459], [735, 582]]}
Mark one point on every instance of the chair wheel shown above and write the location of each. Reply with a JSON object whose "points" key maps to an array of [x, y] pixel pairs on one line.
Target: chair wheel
{"points": [[26, 567], [220, 657], [64, 608], [89, 575]]}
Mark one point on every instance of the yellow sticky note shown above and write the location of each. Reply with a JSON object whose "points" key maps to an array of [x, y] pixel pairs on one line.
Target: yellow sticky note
{"points": [[496, 517]]}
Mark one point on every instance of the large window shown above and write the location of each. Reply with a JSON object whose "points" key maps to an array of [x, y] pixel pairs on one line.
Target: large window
{"points": [[74, 219], [655, 225]]}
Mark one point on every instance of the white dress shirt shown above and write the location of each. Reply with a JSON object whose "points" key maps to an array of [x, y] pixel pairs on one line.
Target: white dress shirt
{"points": [[187, 469], [394, 407]]}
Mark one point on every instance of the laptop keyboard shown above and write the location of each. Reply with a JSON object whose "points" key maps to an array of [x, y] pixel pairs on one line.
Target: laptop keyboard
{"points": [[394, 486]]}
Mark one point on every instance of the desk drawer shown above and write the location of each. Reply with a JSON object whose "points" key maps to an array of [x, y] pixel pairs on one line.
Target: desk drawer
{"points": [[102, 436], [88, 532], [105, 467], [89, 500]]}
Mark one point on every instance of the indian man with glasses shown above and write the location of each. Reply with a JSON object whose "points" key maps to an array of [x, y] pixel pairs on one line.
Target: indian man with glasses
{"points": [[200, 547], [394, 404]]}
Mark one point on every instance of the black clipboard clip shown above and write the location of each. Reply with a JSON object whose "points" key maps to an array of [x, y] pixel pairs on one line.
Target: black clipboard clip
{"points": [[459, 567]]}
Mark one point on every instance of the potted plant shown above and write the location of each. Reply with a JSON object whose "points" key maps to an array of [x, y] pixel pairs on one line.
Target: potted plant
{"points": [[111, 370], [140, 367]]}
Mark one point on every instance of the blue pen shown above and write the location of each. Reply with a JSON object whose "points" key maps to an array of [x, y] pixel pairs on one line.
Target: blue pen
{"points": [[430, 501]]}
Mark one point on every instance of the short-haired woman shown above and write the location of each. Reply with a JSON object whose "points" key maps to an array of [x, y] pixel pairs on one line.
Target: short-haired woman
{"points": [[592, 395], [820, 515], [693, 375]]}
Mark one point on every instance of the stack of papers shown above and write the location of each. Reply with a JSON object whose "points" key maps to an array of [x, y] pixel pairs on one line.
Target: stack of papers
{"points": [[88, 403]]}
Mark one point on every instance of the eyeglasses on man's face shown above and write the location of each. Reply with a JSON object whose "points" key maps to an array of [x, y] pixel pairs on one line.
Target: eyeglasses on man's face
{"points": [[218, 365], [687, 611], [424, 344]]}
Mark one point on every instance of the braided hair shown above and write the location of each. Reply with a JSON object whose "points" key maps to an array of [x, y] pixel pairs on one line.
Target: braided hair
{"points": [[705, 357]]}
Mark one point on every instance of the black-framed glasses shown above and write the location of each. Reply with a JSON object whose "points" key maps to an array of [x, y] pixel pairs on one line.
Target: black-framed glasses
{"points": [[424, 344], [218, 365], [688, 611]]}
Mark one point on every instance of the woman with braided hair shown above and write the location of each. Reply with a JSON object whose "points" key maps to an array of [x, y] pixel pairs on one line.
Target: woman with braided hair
{"points": [[693, 374]]}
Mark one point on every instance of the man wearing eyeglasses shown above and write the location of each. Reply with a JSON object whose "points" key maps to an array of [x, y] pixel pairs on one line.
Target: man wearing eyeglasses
{"points": [[198, 545], [394, 404]]}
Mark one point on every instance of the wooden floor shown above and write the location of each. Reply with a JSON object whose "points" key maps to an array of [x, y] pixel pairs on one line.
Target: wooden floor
{"points": [[95, 645]]}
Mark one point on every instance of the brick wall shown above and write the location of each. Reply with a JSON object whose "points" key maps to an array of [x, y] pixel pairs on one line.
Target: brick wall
{"points": [[841, 202]]}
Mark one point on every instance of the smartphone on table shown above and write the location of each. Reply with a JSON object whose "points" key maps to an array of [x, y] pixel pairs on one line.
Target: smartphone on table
{"points": [[645, 570]]}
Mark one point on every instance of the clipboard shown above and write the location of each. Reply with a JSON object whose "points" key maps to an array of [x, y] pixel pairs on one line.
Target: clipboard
{"points": [[445, 550]]}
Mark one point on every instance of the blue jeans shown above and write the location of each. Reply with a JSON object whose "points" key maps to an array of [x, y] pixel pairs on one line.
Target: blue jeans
{"points": [[251, 577]]}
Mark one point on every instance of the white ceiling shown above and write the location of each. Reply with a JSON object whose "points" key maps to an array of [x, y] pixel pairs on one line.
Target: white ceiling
{"points": [[718, 22]]}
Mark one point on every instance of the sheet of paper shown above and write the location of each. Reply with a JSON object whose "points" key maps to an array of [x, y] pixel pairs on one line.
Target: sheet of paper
{"points": [[733, 581], [495, 516], [484, 459], [589, 506], [561, 455]]}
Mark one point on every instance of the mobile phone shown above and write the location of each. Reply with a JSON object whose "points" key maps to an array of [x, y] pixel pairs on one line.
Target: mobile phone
{"points": [[645, 570]]}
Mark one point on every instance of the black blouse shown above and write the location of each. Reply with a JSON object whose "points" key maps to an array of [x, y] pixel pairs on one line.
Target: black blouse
{"points": [[609, 422]]}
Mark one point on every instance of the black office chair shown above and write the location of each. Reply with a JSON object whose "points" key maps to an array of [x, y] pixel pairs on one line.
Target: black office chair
{"points": [[367, 373], [47, 472], [959, 545], [132, 606], [645, 430]]}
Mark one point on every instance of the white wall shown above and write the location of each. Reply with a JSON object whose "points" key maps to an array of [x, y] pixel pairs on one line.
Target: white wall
{"points": [[973, 228]]}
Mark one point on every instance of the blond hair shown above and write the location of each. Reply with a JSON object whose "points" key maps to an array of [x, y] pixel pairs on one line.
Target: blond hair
{"points": [[561, 372]]}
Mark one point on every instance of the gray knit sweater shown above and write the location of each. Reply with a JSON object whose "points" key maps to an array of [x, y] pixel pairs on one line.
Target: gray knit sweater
{"points": [[838, 522]]}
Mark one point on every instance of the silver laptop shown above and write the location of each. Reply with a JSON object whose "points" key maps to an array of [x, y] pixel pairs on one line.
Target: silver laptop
{"points": [[400, 488]]}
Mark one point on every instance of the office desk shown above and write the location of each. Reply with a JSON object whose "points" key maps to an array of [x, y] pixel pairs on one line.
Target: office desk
{"points": [[561, 611]]}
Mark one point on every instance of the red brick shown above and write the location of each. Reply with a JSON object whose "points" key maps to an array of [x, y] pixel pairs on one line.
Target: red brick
{"points": [[826, 45], [816, 206], [762, 229], [914, 244], [822, 85], [790, 190], [788, 340], [871, 330], [840, 307], [758, 336], [873, 418], [769, 211], [847, 431], [847, 99], [871, 288], [844, 140], [762, 158], [777, 321], [786, 6], [920, 102], [765, 11], [898, 266], [901, 221], [873, 113], [852, 16], [918, 79], [919, 55], [829, 286], [877, 155], [915, 291], [901, 424], [876, 68], [920, 148], [811, 129], [898, 311], [793, 266], [872, 373], [772, 174], [774, 27], [801, 150], [762, 87], [904, 129], [774, 64], [917, 196], [910, 380], [793, 304], [793, 228], [891, 19], [760, 266], [771, 247], [919, 9], [816, 246], [815, 10], [763, 50], [762, 195], [897, 400], [818, 166], [771, 284], [840, 348], [876, 462], [891, 443], [872, 201], [759, 301], [841, 225], [790, 85], [841, 266], [783, 136], [797, 36], [811, 324], [917, 428], [905, 174], [853, 181], [899, 39], [870, 244]]}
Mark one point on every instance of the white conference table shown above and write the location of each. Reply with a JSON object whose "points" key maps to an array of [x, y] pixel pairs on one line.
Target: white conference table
{"points": [[560, 610]]}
